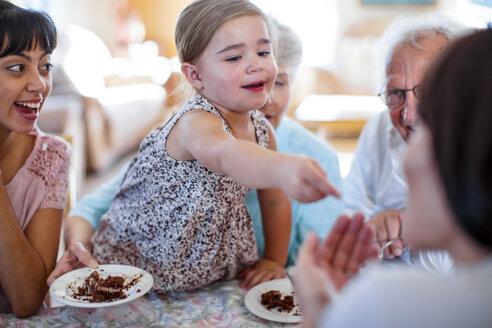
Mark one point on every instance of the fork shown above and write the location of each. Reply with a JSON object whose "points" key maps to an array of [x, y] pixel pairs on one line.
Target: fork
{"points": [[389, 243], [329, 286], [292, 281]]}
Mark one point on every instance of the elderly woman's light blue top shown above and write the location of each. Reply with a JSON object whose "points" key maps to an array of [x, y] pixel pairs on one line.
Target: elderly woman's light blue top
{"points": [[293, 138]]}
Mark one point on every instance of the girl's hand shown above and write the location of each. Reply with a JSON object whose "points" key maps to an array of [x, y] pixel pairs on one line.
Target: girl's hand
{"points": [[261, 271], [304, 180], [75, 257]]}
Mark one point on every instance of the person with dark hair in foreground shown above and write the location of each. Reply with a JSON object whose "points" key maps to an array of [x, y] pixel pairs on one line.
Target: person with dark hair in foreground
{"points": [[450, 207]]}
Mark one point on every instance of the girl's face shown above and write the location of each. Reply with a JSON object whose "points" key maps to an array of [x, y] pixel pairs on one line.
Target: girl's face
{"points": [[237, 69], [279, 99], [25, 82], [429, 222]]}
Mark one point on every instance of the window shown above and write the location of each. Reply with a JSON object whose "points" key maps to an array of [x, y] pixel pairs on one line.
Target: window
{"points": [[481, 9], [315, 22], [34, 4], [398, 2]]}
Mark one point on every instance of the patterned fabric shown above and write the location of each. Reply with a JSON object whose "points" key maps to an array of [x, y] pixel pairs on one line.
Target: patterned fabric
{"points": [[93, 205], [220, 304], [186, 225], [42, 182]]}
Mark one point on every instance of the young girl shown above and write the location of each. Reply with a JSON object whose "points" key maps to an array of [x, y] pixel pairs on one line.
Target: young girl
{"points": [[180, 211], [33, 166]]}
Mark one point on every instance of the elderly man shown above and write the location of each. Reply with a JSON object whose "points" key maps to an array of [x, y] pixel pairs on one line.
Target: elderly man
{"points": [[376, 184]]}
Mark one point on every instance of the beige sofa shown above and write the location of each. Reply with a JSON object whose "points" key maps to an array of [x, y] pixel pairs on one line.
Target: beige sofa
{"points": [[116, 100]]}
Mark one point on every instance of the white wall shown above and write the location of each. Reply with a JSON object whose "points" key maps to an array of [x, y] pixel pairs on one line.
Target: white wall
{"points": [[360, 25], [94, 15], [352, 11]]}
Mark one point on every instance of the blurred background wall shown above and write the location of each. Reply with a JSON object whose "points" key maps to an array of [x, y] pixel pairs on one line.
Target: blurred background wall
{"points": [[131, 43]]}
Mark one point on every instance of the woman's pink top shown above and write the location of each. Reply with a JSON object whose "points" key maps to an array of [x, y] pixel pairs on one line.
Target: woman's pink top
{"points": [[42, 182]]}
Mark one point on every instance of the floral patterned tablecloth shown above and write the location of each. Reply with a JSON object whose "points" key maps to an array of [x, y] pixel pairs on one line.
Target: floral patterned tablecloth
{"points": [[218, 305]]}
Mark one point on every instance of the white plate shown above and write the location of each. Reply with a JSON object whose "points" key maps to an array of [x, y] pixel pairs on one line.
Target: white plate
{"points": [[63, 287], [252, 300]]}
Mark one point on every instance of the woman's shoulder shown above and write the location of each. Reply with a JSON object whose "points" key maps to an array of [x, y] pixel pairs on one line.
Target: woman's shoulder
{"points": [[388, 284], [378, 293], [50, 156], [289, 128], [55, 147], [406, 297], [302, 140]]}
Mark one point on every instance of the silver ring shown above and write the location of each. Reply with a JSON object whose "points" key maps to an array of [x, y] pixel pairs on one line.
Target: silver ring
{"points": [[349, 273]]}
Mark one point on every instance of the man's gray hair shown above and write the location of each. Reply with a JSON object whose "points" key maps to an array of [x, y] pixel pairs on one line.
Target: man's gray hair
{"points": [[410, 31]]}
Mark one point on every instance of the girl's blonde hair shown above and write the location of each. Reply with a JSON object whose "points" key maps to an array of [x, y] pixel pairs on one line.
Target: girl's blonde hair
{"points": [[199, 21]]}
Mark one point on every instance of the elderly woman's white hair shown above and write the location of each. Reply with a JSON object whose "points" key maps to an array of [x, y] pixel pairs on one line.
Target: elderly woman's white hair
{"points": [[411, 30], [289, 46]]}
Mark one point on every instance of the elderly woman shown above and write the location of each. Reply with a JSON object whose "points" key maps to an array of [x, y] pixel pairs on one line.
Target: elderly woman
{"points": [[450, 207], [376, 184], [292, 138]]}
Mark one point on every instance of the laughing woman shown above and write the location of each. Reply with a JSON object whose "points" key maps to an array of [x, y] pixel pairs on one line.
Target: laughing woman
{"points": [[33, 166]]}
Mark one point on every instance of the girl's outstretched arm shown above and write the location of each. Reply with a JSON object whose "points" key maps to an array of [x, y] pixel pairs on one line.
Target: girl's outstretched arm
{"points": [[200, 135]]}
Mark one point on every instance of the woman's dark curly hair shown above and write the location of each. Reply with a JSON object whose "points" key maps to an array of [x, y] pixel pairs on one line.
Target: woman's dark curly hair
{"points": [[24, 29], [456, 105]]}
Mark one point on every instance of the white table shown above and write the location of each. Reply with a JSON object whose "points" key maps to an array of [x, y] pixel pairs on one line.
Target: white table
{"points": [[220, 304]]}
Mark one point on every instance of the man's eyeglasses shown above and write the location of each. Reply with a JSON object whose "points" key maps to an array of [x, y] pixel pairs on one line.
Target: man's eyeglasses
{"points": [[394, 98]]}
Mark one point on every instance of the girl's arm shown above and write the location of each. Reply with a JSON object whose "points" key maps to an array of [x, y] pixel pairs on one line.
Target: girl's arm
{"points": [[276, 218], [200, 135], [26, 258]]}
